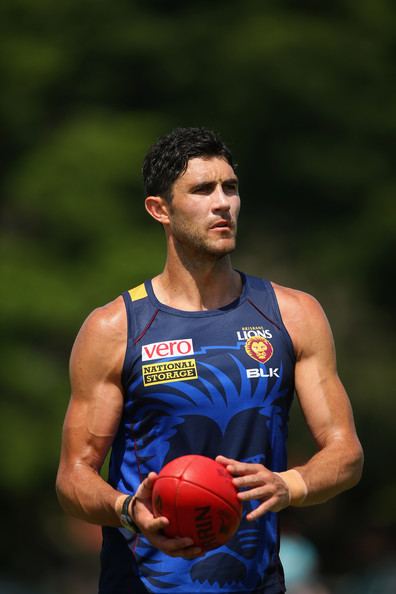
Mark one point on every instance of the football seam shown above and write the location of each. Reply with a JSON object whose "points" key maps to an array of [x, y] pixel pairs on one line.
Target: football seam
{"points": [[238, 512]]}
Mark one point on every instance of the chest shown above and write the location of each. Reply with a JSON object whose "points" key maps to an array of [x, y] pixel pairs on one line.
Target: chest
{"points": [[225, 362]]}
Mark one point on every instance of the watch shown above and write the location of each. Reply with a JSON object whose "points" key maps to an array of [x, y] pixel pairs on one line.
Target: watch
{"points": [[125, 517]]}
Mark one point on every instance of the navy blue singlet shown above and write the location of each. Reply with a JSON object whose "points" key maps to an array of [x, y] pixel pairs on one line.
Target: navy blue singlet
{"points": [[208, 382]]}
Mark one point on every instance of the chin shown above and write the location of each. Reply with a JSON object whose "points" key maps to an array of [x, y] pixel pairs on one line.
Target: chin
{"points": [[221, 251]]}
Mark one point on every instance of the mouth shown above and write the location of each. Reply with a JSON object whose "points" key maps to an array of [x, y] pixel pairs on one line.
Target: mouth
{"points": [[223, 224]]}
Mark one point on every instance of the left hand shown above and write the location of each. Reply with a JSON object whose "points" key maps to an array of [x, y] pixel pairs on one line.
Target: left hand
{"points": [[258, 483], [152, 527]]}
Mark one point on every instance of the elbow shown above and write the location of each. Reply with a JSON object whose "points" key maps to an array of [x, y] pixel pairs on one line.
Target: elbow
{"points": [[62, 489], [355, 465]]}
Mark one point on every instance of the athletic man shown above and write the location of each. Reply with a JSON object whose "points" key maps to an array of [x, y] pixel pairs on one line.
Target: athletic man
{"points": [[202, 359]]}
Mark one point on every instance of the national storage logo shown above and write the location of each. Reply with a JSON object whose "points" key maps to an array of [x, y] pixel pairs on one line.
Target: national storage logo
{"points": [[169, 371]]}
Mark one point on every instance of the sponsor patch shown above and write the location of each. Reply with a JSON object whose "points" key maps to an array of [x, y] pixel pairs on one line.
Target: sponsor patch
{"points": [[169, 371], [167, 348], [259, 348], [270, 372], [247, 332]]}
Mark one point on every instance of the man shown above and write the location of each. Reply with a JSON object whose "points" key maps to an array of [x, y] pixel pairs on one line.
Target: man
{"points": [[243, 345]]}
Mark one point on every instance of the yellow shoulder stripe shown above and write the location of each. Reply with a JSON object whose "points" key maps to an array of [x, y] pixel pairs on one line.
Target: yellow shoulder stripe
{"points": [[138, 292]]}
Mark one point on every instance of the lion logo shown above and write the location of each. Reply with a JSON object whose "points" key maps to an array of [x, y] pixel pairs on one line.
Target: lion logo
{"points": [[259, 348]]}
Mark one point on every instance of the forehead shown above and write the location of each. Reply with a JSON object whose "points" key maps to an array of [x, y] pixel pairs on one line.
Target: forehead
{"points": [[201, 169]]}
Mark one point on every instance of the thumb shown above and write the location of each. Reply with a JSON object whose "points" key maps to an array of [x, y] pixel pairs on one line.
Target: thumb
{"points": [[146, 486]]}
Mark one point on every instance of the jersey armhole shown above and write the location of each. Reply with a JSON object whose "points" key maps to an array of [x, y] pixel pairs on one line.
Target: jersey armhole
{"points": [[127, 357], [277, 311]]}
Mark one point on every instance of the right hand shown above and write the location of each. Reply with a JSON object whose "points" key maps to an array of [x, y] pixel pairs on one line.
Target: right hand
{"points": [[152, 527]]}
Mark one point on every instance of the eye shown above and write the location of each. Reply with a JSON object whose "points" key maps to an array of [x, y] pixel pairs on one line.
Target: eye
{"points": [[204, 189], [230, 188]]}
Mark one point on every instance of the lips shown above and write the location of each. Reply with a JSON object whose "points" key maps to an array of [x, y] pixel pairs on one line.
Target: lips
{"points": [[223, 224]]}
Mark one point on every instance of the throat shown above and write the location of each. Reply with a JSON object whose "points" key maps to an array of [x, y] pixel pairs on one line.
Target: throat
{"points": [[194, 294]]}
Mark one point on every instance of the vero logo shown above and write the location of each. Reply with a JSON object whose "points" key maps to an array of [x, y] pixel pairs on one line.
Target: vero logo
{"points": [[169, 348]]}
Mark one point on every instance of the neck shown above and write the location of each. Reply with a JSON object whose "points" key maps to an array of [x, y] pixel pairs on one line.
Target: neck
{"points": [[198, 285]]}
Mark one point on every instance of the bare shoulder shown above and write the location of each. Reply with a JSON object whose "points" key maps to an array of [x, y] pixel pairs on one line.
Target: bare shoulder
{"points": [[297, 304], [303, 317], [102, 338], [108, 320]]}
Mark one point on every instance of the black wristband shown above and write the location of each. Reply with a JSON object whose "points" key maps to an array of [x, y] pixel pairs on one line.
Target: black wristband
{"points": [[126, 519]]}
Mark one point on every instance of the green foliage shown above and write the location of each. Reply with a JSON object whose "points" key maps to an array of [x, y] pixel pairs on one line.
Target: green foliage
{"points": [[304, 93]]}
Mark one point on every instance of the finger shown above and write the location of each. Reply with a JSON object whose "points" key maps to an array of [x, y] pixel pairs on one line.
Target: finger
{"points": [[146, 486], [244, 468], [261, 509], [260, 493], [273, 504], [252, 480], [177, 546], [225, 461], [236, 467], [189, 553], [152, 525]]}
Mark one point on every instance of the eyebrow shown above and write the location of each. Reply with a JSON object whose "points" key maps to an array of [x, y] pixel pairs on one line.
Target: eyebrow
{"points": [[208, 183]]}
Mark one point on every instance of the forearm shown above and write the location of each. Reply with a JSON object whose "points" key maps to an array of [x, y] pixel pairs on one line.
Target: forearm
{"points": [[335, 468], [84, 494]]}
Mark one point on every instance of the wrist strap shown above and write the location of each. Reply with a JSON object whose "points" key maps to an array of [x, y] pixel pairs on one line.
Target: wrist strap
{"points": [[127, 519], [296, 485]]}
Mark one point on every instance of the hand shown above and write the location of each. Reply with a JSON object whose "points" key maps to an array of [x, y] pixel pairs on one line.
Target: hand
{"points": [[151, 527], [258, 483]]}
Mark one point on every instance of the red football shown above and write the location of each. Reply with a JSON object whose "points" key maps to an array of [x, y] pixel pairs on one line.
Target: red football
{"points": [[198, 497]]}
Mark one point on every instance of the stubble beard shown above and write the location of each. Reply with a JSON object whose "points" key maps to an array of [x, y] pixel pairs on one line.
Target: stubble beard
{"points": [[189, 242]]}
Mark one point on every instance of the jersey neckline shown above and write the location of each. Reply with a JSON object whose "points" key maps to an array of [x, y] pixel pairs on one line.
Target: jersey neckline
{"points": [[201, 313]]}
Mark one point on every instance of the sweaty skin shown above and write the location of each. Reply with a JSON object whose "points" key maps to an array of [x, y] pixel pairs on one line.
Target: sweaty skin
{"points": [[200, 226]]}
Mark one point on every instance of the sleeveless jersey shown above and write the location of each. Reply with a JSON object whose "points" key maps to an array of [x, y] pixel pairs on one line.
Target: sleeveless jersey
{"points": [[208, 382]]}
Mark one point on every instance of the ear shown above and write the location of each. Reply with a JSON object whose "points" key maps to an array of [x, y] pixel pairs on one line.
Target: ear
{"points": [[157, 207]]}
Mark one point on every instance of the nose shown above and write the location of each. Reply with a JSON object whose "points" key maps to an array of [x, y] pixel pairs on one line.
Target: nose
{"points": [[221, 202]]}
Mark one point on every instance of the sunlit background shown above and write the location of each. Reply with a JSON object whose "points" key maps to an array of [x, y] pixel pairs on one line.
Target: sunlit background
{"points": [[304, 93]]}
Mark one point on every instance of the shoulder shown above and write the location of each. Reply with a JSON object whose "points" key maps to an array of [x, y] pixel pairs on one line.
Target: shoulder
{"points": [[108, 320], [102, 336], [296, 304], [303, 317]]}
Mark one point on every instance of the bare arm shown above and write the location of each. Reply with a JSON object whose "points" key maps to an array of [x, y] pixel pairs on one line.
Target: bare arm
{"points": [[90, 426], [93, 416], [338, 463]]}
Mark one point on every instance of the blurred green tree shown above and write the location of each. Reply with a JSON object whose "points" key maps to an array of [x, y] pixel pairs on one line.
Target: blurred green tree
{"points": [[305, 96]]}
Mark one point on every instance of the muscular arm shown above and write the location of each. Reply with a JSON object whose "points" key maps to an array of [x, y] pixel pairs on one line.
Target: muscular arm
{"points": [[93, 416], [337, 465], [90, 426]]}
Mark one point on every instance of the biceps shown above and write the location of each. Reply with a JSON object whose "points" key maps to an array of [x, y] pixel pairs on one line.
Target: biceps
{"points": [[324, 402]]}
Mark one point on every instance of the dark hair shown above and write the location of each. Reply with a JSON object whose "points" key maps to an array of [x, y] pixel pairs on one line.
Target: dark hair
{"points": [[168, 158]]}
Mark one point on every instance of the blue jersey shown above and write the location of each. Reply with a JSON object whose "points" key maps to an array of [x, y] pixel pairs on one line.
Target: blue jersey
{"points": [[208, 382]]}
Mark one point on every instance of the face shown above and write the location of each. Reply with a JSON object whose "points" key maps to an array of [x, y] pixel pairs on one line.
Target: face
{"points": [[204, 209], [259, 348]]}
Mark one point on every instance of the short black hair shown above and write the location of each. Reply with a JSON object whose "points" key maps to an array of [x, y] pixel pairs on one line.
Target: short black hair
{"points": [[168, 158]]}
